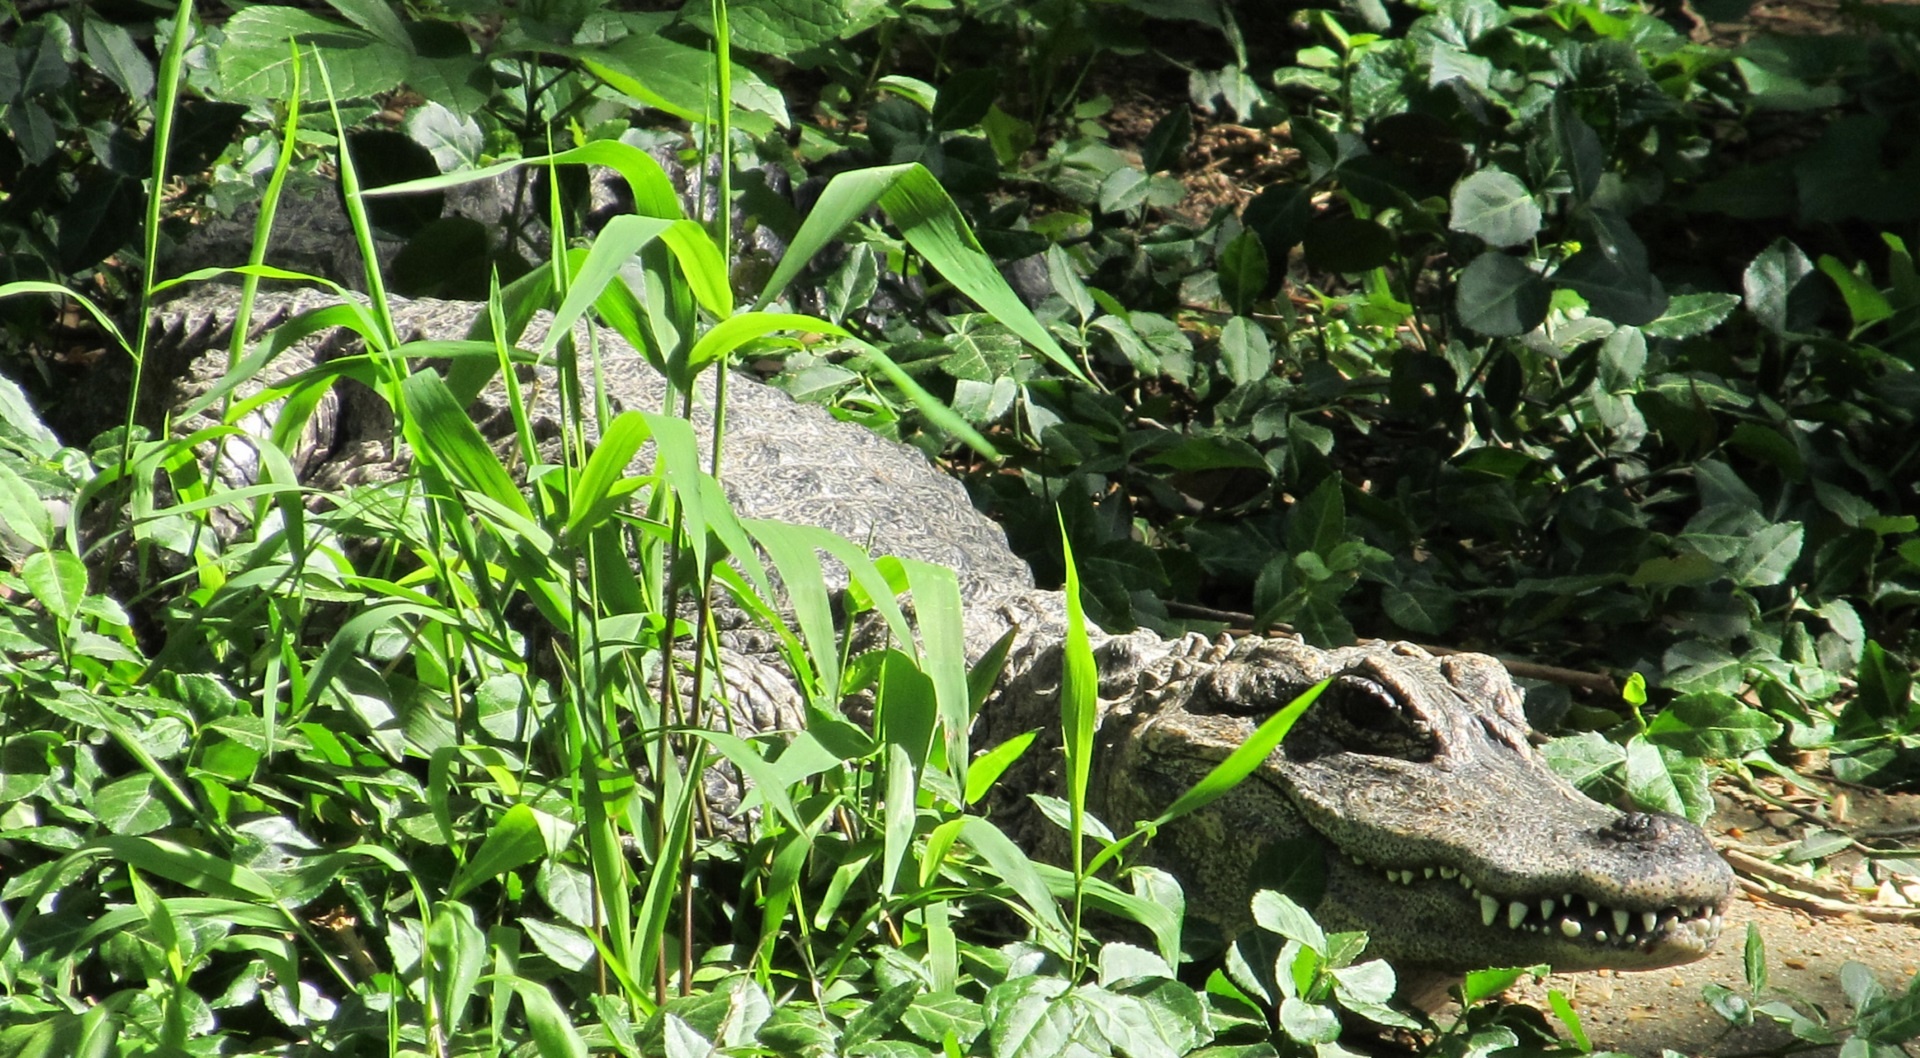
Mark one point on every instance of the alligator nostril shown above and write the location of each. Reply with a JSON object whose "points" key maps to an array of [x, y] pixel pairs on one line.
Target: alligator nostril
{"points": [[1639, 828]]}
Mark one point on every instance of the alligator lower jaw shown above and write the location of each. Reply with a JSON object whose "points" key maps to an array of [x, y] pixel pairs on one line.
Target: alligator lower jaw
{"points": [[1570, 930]]}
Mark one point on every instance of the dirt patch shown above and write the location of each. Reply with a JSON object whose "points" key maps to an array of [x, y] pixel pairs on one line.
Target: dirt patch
{"points": [[1644, 1013]]}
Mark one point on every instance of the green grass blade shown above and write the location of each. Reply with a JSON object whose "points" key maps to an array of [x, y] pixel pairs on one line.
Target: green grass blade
{"points": [[1036, 903], [729, 334], [923, 211], [700, 262], [439, 428], [603, 484], [941, 416], [943, 653], [512, 842], [1225, 775], [553, 1033]]}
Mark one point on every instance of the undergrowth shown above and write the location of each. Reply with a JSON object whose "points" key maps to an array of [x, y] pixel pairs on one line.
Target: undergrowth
{"points": [[419, 767]]}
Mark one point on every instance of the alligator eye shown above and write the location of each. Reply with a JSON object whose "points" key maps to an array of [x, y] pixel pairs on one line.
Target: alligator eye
{"points": [[1362, 716]]}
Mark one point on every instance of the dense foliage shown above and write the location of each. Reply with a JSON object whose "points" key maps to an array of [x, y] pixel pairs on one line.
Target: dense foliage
{"points": [[1554, 331]]}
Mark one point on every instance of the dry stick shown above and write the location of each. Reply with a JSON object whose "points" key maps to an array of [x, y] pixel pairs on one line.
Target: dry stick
{"points": [[1596, 682], [1821, 905]]}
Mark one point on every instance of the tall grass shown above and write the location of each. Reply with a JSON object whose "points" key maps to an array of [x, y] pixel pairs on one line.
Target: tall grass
{"points": [[431, 732]]}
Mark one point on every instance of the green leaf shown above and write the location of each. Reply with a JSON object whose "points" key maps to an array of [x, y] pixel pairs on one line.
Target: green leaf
{"points": [[1781, 291], [58, 580], [659, 72], [132, 805], [989, 766], [728, 335], [1587, 760], [1563, 1009], [553, 1033], [1348, 245], [1318, 523], [111, 50], [1276, 913], [964, 100], [1243, 272], [1499, 295], [255, 62], [22, 512], [1864, 301], [1244, 351], [1665, 781], [1307, 1023], [1168, 140], [782, 27], [1691, 315], [512, 842], [1482, 985], [933, 1015], [1616, 289], [603, 485], [1753, 957], [1495, 206], [191, 867], [879, 1016], [1713, 726], [925, 214], [1041, 1017], [1211, 452], [1768, 555]]}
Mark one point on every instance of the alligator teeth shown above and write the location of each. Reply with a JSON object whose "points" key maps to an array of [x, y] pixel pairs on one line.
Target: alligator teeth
{"points": [[1684, 911], [1489, 907], [1570, 928], [1600, 935], [1566, 899], [1546, 908], [1426, 872], [1593, 908], [1465, 881], [1648, 920], [1406, 877], [1448, 873], [1516, 914], [1619, 921]]}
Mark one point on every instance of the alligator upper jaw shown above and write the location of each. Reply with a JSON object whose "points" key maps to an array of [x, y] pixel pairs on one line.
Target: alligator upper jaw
{"points": [[1438, 916]]}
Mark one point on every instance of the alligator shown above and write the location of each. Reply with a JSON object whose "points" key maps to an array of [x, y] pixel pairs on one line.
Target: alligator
{"points": [[1412, 788]]}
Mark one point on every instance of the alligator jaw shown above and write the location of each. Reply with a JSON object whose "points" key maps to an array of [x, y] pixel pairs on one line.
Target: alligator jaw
{"points": [[1569, 930]]}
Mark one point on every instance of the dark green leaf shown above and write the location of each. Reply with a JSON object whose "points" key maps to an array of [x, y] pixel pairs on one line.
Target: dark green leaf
{"points": [[1244, 351], [1168, 140], [1347, 245], [111, 50], [965, 99], [1500, 295], [1243, 273], [1613, 289]]}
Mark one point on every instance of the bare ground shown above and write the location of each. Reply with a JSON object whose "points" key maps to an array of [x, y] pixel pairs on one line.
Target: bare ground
{"points": [[1643, 1013]]}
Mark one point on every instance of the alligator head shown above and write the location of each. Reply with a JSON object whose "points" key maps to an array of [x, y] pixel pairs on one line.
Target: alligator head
{"points": [[1413, 792]]}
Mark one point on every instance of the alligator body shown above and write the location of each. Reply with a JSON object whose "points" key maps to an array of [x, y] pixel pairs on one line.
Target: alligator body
{"points": [[1410, 793]]}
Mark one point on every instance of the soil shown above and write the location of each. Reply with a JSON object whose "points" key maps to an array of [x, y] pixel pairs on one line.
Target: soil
{"points": [[1644, 1013]]}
